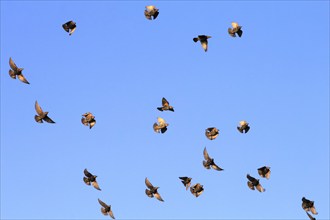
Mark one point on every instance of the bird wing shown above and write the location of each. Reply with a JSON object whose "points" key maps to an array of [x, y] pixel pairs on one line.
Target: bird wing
{"points": [[96, 185], [206, 155], [156, 127], [313, 210], [92, 123], [148, 184], [252, 179], [161, 121], [148, 193], [48, 119], [157, 195], [102, 203], [72, 30], [231, 32], [163, 130], [234, 25], [268, 174], [111, 214], [38, 108], [204, 45], [65, 27], [260, 188], [165, 102], [239, 32], [150, 7], [103, 211], [216, 167], [12, 74], [87, 181], [84, 121], [250, 185], [22, 78], [88, 174], [310, 216], [12, 65]]}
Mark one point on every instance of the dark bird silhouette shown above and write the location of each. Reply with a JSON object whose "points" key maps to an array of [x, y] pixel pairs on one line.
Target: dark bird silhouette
{"points": [[235, 30], [90, 178], [254, 183], [15, 71], [243, 127], [161, 126], [88, 120], [203, 40], [152, 191], [42, 116], [165, 106], [106, 209], [151, 12], [197, 189], [310, 216], [186, 181], [308, 206], [69, 27], [264, 172], [209, 162], [211, 133]]}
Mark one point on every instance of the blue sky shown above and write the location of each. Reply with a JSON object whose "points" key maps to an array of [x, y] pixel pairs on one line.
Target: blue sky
{"points": [[118, 65]]}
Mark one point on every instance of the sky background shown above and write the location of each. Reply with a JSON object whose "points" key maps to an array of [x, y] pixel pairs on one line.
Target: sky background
{"points": [[118, 65]]}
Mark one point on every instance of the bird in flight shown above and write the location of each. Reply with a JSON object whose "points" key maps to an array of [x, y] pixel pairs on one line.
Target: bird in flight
{"points": [[69, 27], [106, 209], [197, 189], [152, 191], [88, 119], [254, 183], [15, 71], [186, 181], [308, 206], [264, 172], [235, 30], [42, 116], [243, 127], [161, 126], [203, 40], [211, 133], [151, 12], [165, 106], [209, 162], [90, 178]]}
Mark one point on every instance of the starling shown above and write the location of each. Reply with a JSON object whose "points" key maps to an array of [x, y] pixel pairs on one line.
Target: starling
{"points": [[197, 189], [106, 209], [235, 30], [151, 12], [264, 172], [209, 162], [211, 133], [254, 183], [90, 178], [186, 181], [243, 127], [161, 126], [203, 40], [152, 191], [42, 116], [165, 106], [69, 27], [88, 120], [308, 205], [15, 71]]}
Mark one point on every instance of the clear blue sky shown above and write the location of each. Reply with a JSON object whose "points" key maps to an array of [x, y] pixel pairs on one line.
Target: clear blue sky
{"points": [[118, 65]]}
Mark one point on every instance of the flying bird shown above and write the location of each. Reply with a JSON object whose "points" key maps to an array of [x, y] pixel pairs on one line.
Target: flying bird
{"points": [[203, 40], [69, 27], [165, 106], [151, 12], [90, 178], [106, 209], [209, 162], [186, 181], [197, 189], [254, 183], [42, 116], [211, 133], [88, 120], [243, 127], [235, 30], [264, 172], [161, 126], [15, 71], [310, 216], [308, 206], [152, 191]]}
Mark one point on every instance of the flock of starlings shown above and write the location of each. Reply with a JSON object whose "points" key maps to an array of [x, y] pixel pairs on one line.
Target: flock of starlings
{"points": [[151, 13]]}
